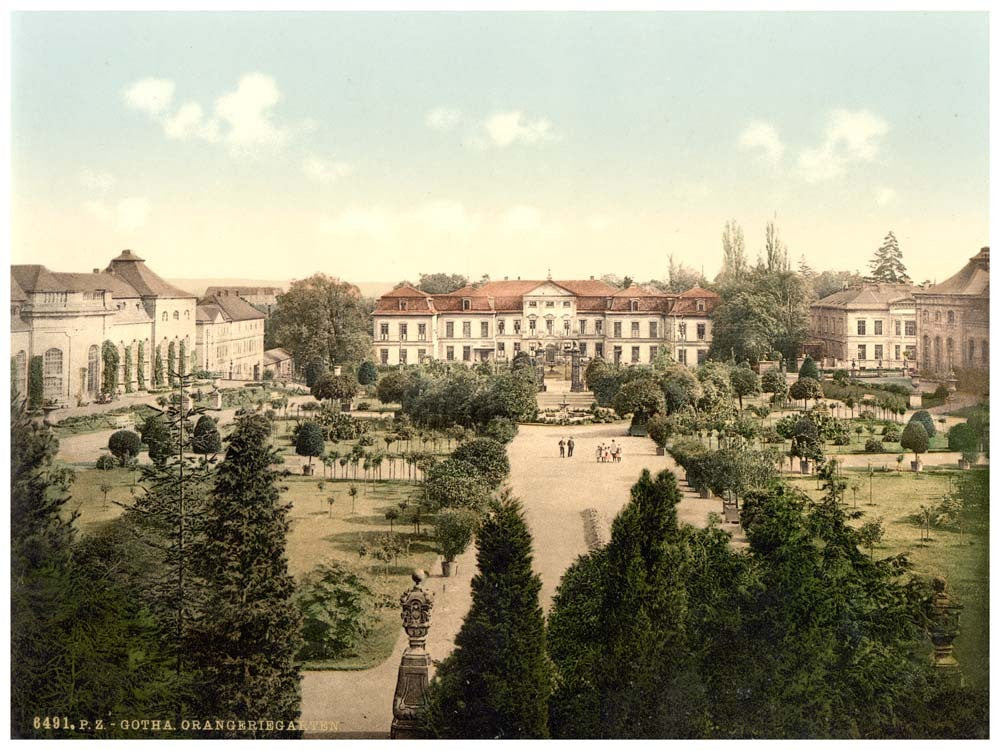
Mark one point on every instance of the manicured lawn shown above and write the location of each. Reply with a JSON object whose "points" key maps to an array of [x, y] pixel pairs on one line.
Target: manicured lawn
{"points": [[87, 497], [961, 558]]}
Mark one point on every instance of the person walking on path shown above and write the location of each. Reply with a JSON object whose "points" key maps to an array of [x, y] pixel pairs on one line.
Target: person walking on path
{"points": [[600, 452], [569, 447], [562, 448]]}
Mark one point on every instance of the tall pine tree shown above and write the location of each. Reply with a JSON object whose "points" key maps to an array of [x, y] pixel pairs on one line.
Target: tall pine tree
{"points": [[250, 634], [887, 263], [497, 681]]}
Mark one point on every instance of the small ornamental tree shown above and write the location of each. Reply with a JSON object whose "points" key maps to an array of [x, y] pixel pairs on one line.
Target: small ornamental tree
{"points": [[156, 436], [915, 439], [456, 484], [338, 611], [314, 370], [367, 374], [805, 441], [309, 440], [641, 398], [808, 369], [963, 439], [124, 445], [453, 530], [36, 388], [109, 353], [339, 387], [392, 387], [773, 381], [804, 389], [659, 429], [924, 418], [206, 438], [488, 456], [140, 366], [745, 383]]}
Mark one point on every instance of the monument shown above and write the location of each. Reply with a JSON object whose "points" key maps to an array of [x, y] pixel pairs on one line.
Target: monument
{"points": [[944, 630], [576, 374], [413, 677]]}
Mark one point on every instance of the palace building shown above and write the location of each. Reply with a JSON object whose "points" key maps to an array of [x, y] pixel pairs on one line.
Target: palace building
{"points": [[497, 319], [230, 336]]}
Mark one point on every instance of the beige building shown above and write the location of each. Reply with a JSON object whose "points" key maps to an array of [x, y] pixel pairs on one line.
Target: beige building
{"points": [[496, 320], [953, 319], [64, 319], [279, 363], [230, 336], [264, 298], [866, 327]]}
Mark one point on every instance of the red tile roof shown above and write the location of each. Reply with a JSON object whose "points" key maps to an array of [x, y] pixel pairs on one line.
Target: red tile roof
{"points": [[697, 291]]}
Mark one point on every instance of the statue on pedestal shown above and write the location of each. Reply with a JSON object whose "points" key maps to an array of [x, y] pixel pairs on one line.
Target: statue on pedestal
{"points": [[414, 675]]}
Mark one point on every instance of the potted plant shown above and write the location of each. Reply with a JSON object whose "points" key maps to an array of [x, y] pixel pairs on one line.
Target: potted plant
{"points": [[915, 438], [658, 428], [454, 529]]}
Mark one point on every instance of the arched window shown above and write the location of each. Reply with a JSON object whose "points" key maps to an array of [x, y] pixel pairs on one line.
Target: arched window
{"points": [[927, 315], [52, 374], [634, 305], [21, 374], [950, 348], [937, 316], [93, 370], [984, 352], [165, 316], [177, 315], [937, 352], [927, 350], [187, 315], [972, 352], [951, 317]]}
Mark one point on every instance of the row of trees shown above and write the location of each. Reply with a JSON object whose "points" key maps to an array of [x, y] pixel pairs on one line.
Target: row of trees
{"points": [[667, 632], [182, 608]]}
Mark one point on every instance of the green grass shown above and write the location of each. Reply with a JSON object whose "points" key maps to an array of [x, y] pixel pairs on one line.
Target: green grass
{"points": [[961, 558], [87, 498], [104, 421]]}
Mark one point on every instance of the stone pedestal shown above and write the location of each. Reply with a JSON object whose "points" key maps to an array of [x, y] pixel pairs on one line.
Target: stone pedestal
{"points": [[943, 631], [576, 373], [414, 667]]}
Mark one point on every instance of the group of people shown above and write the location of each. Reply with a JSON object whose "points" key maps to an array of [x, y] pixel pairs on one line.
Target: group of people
{"points": [[612, 453], [566, 448]]}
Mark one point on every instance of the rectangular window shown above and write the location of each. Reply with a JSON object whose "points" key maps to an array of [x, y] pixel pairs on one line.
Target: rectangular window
{"points": [[500, 347], [466, 353], [449, 330], [898, 327], [583, 327], [861, 328], [566, 327], [653, 350], [878, 327], [550, 303], [635, 354], [862, 352], [566, 303], [403, 328], [910, 326], [700, 331], [897, 351], [422, 331], [911, 352], [878, 351], [599, 349], [599, 327], [617, 355], [635, 329], [517, 347], [449, 353], [383, 331], [517, 326], [682, 356], [532, 303], [484, 329], [618, 330], [466, 329], [682, 331], [402, 356], [702, 356], [548, 326], [384, 354], [583, 348], [654, 331], [500, 327], [421, 353], [532, 323]]}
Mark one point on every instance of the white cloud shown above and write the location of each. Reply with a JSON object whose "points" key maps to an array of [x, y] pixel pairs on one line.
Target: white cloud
{"points": [[884, 196], [128, 215], [150, 95], [851, 136], [504, 129], [324, 170], [446, 217], [243, 118], [375, 223], [99, 181], [599, 222], [520, 219], [443, 118], [762, 137]]}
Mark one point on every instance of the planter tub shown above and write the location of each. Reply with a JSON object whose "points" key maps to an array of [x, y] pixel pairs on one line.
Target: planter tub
{"points": [[449, 568], [916, 466], [804, 467], [307, 470], [705, 494], [660, 451]]}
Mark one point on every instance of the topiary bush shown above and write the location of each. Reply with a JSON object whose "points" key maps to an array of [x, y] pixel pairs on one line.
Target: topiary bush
{"points": [[488, 456], [925, 419], [874, 445], [914, 438], [367, 374], [124, 445], [809, 369], [105, 463], [453, 530], [206, 438]]}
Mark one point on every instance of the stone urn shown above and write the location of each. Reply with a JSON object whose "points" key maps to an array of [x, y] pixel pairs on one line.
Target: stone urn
{"points": [[916, 465], [449, 568], [804, 465]]}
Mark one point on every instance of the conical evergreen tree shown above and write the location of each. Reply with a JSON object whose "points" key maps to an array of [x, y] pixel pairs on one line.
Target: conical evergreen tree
{"points": [[887, 263], [249, 637], [497, 681]]}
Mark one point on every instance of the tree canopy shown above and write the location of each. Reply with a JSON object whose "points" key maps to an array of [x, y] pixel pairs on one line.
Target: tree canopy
{"points": [[887, 263], [441, 283]]}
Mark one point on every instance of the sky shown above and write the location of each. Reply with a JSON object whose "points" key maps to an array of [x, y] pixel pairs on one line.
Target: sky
{"points": [[378, 146]]}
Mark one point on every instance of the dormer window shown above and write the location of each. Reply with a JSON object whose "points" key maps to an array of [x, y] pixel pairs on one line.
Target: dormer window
{"points": [[466, 303], [633, 305], [402, 304], [607, 301], [700, 305]]}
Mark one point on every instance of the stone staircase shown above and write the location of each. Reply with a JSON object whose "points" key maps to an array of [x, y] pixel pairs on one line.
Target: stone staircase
{"points": [[560, 399]]}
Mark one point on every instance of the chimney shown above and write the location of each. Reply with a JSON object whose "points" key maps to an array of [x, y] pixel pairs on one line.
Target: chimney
{"points": [[505, 278], [591, 278], [97, 270]]}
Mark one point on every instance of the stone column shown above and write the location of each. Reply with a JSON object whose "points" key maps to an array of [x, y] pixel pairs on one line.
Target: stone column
{"points": [[944, 630], [576, 385], [414, 668]]}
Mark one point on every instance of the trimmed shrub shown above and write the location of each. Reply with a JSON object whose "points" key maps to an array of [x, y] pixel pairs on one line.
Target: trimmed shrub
{"points": [[914, 438], [925, 419], [874, 445], [124, 445], [105, 462], [206, 438]]}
